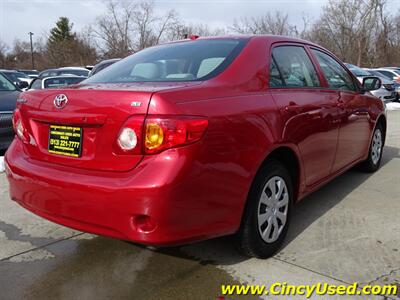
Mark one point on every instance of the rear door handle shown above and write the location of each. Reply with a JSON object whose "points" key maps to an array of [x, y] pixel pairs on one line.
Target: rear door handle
{"points": [[293, 108]]}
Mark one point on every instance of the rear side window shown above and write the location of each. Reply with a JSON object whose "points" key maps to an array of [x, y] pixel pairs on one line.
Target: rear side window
{"points": [[335, 74], [183, 61], [291, 67]]}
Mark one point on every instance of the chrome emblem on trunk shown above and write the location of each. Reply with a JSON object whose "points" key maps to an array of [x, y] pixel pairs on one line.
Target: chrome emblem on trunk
{"points": [[60, 101]]}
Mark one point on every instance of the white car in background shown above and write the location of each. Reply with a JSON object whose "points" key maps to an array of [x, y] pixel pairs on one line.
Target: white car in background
{"points": [[386, 92], [55, 82], [392, 73]]}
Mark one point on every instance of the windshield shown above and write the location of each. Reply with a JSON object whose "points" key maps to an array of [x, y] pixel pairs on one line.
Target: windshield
{"points": [[357, 71], [184, 61], [5, 84], [30, 72], [15, 76]]}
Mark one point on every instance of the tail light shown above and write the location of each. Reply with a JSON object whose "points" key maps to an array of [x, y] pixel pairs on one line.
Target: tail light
{"points": [[19, 127], [162, 133], [129, 139], [158, 133]]}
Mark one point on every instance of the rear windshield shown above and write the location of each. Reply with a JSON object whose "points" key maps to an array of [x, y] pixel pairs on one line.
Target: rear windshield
{"points": [[185, 61], [75, 72], [53, 83]]}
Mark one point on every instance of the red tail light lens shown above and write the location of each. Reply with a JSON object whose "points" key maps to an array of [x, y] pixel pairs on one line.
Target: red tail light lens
{"points": [[168, 132], [19, 127]]}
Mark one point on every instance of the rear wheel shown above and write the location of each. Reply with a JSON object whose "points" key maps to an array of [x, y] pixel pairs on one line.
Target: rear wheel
{"points": [[372, 163], [267, 214]]}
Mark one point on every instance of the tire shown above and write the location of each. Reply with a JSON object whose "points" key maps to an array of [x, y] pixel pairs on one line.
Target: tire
{"points": [[262, 208], [373, 162]]}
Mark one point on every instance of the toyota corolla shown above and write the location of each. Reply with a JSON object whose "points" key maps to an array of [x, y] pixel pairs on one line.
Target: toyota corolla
{"points": [[195, 139]]}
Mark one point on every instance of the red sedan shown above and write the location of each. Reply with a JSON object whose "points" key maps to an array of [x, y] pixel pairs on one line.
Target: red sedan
{"points": [[195, 139]]}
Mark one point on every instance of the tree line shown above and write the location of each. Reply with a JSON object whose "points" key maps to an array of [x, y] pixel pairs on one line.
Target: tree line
{"points": [[362, 32]]}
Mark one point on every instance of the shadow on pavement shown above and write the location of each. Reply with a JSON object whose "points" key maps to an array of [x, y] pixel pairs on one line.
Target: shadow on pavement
{"points": [[221, 251]]}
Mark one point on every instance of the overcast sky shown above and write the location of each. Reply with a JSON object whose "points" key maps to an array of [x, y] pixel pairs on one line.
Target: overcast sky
{"points": [[18, 17]]}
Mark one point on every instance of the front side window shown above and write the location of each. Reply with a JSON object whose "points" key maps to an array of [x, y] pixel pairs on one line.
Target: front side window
{"points": [[335, 74], [292, 66], [184, 61]]}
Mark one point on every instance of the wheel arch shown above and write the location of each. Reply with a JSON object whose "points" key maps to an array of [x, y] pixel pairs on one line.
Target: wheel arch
{"points": [[289, 157]]}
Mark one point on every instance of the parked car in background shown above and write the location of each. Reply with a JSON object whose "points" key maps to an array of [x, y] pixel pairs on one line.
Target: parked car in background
{"points": [[8, 97], [384, 78], [387, 90], [30, 73], [195, 139], [18, 78], [78, 71], [393, 68], [102, 65], [55, 82], [391, 73]]}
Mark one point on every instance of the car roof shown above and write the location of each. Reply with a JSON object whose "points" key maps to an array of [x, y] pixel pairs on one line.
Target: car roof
{"points": [[386, 69], [271, 38], [62, 76], [73, 68], [9, 71]]}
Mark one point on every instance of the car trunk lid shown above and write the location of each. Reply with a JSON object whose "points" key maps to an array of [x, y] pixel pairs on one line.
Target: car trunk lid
{"points": [[98, 111]]}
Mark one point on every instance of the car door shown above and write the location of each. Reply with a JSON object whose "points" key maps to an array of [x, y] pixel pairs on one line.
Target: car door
{"points": [[354, 130], [309, 116]]}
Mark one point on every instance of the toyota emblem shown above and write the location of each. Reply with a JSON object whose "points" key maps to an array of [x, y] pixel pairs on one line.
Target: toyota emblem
{"points": [[60, 101]]}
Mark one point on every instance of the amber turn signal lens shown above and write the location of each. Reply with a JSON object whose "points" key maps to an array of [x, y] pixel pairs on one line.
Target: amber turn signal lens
{"points": [[154, 136]]}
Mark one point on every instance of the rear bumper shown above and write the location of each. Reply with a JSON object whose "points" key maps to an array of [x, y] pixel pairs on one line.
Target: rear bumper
{"points": [[163, 191]]}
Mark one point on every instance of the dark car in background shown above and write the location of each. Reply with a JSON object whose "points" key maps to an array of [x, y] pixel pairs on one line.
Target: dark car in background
{"points": [[8, 97], [20, 79], [102, 65], [55, 82], [30, 73], [78, 71]]}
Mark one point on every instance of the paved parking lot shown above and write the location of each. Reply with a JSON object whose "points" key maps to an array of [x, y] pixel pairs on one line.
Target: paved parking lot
{"points": [[346, 232]]}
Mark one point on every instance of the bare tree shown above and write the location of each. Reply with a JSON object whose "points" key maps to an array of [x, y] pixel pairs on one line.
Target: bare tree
{"points": [[277, 23], [114, 29], [3, 54], [347, 27], [181, 30], [130, 26]]}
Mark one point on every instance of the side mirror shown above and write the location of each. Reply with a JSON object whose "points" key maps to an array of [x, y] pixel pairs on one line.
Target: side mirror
{"points": [[22, 85], [371, 83]]}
